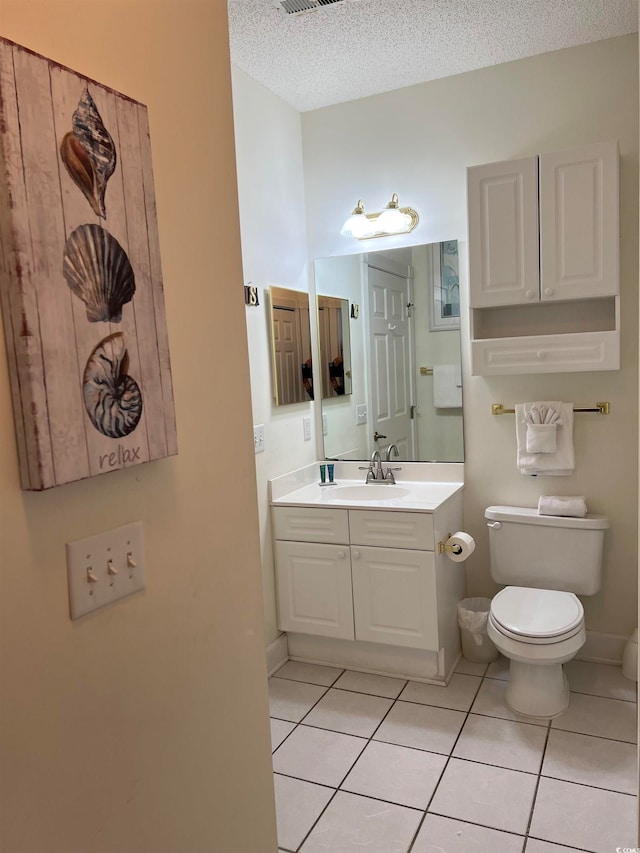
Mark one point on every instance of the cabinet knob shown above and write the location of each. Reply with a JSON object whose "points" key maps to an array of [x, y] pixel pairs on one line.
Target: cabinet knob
{"points": [[541, 354], [549, 291], [341, 555], [529, 294], [355, 555]]}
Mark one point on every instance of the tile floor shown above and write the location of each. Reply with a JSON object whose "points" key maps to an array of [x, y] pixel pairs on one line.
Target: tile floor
{"points": [[365, 762]]}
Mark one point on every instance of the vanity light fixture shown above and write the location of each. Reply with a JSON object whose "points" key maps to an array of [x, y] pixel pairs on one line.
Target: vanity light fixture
{"points": [[392, 220]]}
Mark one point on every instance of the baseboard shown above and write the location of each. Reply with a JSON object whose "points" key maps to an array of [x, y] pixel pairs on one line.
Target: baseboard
{"points": [[602, 648], [599, 648], [374, 658], [277, 654]]}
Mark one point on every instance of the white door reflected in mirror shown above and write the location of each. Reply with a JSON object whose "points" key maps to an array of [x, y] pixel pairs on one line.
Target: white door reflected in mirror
{"points": [[408, 323]]}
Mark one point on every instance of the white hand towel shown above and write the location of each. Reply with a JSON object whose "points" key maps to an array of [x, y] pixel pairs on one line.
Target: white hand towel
{"points": [[560, 505], [446, 394], [541, 438], [560, 463]]}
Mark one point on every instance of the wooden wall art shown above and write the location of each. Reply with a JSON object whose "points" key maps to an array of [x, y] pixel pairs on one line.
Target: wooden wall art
{"points": [[80, 278]]}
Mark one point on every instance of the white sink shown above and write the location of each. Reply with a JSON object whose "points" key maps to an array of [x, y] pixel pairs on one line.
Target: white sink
{"points": [[370, 492]]}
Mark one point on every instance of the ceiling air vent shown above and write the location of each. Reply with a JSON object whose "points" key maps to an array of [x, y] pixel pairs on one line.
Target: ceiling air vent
{"points": [[299, 7]]}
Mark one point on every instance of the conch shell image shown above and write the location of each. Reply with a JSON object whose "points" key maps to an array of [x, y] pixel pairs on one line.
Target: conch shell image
{"points": [[113, 399], [89, 153], [99, 272]]}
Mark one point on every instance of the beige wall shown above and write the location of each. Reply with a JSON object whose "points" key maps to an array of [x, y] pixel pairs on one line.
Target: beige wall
{"points": [[545, 103], [144, 727]]}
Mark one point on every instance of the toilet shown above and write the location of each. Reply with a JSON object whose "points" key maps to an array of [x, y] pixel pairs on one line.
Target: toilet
{"points": [[537, 620]]}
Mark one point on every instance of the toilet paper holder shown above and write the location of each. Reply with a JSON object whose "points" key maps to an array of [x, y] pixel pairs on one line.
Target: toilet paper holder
{"points": [[445, 548]]}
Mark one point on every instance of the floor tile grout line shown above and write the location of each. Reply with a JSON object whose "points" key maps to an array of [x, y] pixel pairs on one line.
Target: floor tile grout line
{"points": [[568, 846], [535, 792], [311, 828], [586, 785], [444, 769]]}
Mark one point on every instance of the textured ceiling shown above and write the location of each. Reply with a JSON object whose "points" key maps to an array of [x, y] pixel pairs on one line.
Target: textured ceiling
{"points": [[363, 47]]}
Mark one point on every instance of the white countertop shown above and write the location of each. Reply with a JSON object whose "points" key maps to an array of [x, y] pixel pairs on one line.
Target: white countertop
{"points": [[410, 495]]}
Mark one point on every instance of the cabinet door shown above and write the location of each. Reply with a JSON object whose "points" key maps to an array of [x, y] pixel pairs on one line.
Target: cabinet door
{"points": [[503, 233], [314, 589], [394, 597], [579, 243]]}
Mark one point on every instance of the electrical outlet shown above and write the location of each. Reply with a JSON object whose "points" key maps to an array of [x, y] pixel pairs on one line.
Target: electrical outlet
{"points": [[325, 425], [361, 414], [258, 438], [103, 568], [306, 427]]}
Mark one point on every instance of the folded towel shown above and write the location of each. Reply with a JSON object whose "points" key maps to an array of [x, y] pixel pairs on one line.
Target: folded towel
{"points": [[447, 394], [559, 463], [541, 438], [559, 505]]}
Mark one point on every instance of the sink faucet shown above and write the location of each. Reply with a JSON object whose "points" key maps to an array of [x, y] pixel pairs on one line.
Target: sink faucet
{"points": [[376, 475], [396, 452]]}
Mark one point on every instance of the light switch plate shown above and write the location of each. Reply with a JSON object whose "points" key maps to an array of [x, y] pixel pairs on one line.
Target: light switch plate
{"points": [[258, 438], [325, 425], [103, 568], [361, 414], [306, 427]]}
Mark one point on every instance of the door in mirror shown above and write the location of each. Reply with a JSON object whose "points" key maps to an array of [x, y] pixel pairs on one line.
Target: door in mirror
{"points": [[290, 346]]}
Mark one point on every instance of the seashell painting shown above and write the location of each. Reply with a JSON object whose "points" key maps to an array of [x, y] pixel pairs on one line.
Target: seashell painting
{"points": [[89, 153], [81, 288], [113, 399], [98, 271]]}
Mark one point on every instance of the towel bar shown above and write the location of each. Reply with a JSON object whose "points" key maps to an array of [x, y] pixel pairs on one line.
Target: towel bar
{"points": [[600, 408]]}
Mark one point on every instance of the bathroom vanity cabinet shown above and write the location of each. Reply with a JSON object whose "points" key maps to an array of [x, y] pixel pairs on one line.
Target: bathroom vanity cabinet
{"points": [[372, 577], [544, 262]]}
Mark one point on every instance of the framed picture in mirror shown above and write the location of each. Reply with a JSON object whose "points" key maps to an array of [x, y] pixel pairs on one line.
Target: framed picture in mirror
{"points": [[445, 287]]}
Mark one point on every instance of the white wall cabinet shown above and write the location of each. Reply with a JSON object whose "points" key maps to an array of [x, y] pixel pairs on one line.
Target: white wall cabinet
{"points": [[544, 262], [368, 575]]}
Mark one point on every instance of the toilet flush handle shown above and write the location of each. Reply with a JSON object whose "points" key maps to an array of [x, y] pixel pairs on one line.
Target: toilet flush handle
{"points": [[495, 524]]}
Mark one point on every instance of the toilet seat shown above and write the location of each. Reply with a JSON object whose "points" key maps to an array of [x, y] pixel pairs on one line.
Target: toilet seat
{"points": [[537, 616]]}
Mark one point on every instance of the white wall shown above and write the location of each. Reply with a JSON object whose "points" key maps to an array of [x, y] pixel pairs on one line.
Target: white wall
{"points": [[545, 103], [272, 220], [143, 727]]}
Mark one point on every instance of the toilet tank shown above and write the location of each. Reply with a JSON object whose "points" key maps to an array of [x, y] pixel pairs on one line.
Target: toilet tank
{"points": [[545, 551]]}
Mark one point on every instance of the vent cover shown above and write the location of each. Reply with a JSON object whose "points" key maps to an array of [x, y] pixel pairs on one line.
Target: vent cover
{"points": [[299, 7]]}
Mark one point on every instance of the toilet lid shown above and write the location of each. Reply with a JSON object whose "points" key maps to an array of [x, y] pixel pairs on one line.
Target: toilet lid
{"points": [[536, 613]]}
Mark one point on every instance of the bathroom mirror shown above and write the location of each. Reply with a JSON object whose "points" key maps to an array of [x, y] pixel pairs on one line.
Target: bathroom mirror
{"points": [[405, 354], [290, 346], [335, 347]]}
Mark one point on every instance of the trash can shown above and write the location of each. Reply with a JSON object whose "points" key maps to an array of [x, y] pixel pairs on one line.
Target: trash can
{"points": [[473, 614]]}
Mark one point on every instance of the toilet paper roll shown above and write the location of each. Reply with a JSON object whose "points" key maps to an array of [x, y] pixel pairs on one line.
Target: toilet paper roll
{"points": [[462, 544]]}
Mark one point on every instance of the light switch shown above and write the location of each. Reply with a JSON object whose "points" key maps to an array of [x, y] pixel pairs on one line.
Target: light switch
{"points": [[361, 414], [306, 427], [103, 568], [258, 438]]}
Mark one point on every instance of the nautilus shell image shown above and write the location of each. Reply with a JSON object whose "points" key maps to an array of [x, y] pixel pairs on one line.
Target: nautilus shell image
{"points": [[112, 398], [99, 272], [89, 153]]}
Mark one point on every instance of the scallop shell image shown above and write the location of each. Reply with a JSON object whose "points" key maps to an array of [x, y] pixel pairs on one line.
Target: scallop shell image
{"points": [[89, 153], [113, 399], [99, 272]]}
